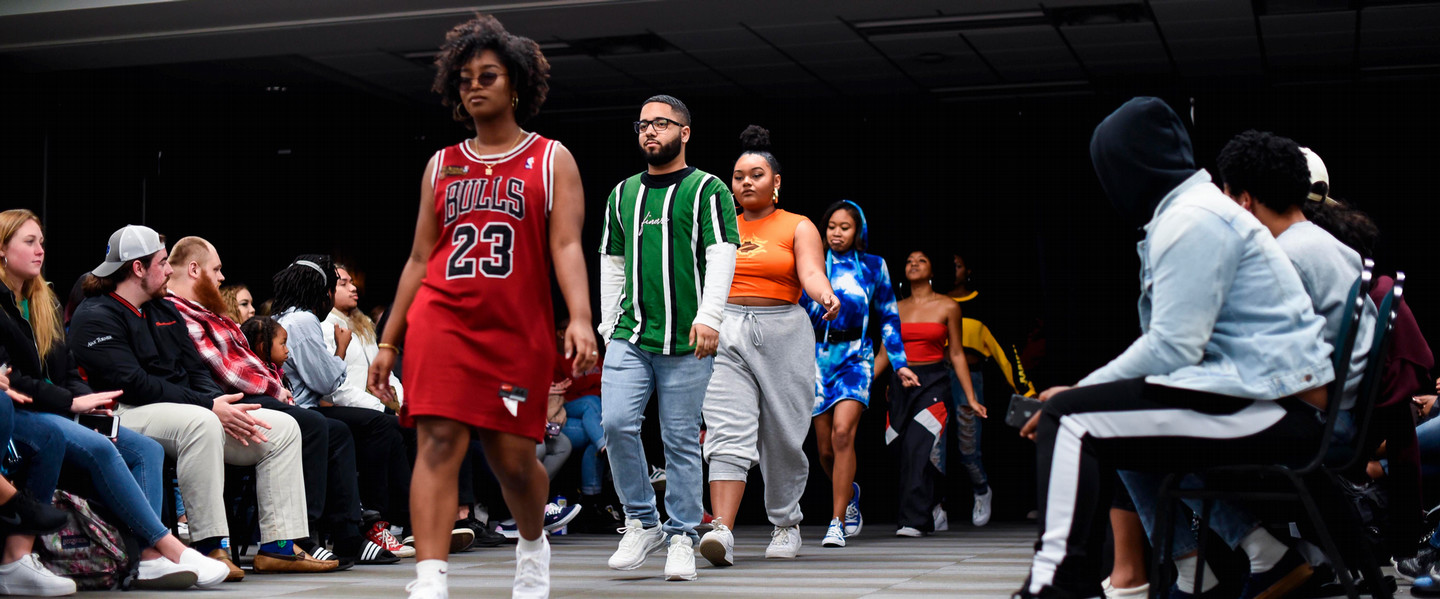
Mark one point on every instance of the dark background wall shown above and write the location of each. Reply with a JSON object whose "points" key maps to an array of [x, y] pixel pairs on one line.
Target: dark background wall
{"points": [[203, 149]]}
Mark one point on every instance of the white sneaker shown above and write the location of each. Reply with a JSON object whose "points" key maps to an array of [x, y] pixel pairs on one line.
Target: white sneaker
{"points": [[637, 544], [429, 588], [835, 535], [784, 543], [680, 564], [718, 545], [942, 519], [532, 572], [1111, 592], [182, 531], [208, 572], [908, 531], [163, 574], [981, 515], [27, 576]]}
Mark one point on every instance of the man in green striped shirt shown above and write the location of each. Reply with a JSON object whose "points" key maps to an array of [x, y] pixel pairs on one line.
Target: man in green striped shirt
{"points": [[668, 250]]}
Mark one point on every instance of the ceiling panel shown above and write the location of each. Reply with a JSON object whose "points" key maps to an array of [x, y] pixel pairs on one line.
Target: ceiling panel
{"points": [[1325, 40], [937, 59], [1127, 48], [1210, 37], [1401, 35], [1024, 54], [655, 63]]}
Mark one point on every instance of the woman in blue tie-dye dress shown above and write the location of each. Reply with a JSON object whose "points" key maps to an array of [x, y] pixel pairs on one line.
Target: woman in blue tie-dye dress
{"points": [[845, 357]]}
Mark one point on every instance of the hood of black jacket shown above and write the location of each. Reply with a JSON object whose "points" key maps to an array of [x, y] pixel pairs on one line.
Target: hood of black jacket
{"points": [[1141, 152]]}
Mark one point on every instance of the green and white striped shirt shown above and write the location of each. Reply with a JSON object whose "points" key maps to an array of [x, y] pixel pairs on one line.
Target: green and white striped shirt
{"points": [[661, 225]]}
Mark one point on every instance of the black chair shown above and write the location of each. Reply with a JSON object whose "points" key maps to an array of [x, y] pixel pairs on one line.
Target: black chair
{"points": [[1273, 482]]}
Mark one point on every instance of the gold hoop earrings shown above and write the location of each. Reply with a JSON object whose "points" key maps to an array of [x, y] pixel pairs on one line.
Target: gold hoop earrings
{"points": [[515, 101], [775, 198]]}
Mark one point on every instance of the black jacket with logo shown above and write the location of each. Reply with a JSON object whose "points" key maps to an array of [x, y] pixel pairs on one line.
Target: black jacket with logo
{"points": [[145, 352], [29, 372]]}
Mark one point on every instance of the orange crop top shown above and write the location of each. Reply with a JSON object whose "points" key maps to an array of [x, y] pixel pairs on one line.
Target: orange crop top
{"points": [[924, 341], [765, 261]]}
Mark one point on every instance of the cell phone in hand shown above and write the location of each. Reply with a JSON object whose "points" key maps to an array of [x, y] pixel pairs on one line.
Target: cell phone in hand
{"points": [[105, 424], [1021, 410]]}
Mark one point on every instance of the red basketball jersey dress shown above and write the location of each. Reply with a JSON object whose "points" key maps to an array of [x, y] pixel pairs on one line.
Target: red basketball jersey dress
{"points": [[481, 327]]}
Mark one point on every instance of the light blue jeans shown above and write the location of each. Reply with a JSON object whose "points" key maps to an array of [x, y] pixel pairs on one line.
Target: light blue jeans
{"points": [[631, 374], [1227, 519], [126, 472], [582, 426]]}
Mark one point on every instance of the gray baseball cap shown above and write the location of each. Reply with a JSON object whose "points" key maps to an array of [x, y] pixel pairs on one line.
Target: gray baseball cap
{"points": [[129, 243]]}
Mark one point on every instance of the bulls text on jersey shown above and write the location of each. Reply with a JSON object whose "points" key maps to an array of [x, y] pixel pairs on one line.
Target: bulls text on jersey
{"points": [[467, 195]]}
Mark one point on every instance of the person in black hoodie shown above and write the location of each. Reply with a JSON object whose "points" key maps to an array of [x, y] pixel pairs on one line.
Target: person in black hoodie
{"points": [[128, 338], [31, 340], [1230, 368]]}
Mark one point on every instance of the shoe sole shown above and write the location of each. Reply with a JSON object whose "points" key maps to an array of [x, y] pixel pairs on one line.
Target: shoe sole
{"points": [[715, 551], [461, 539], [769, 555], [680, 577], [563, 521], [643, 556], [174, 581], [1288, 583], [840, 543]]}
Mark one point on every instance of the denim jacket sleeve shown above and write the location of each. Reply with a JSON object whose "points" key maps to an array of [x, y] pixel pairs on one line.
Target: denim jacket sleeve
{"points": [[1188, 262]]}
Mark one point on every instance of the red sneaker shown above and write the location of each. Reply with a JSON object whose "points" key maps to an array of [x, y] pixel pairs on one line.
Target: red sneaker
{"points": [[379, 534]]}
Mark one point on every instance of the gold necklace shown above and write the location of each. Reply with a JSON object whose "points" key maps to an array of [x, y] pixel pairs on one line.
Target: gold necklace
{"points": [[490, 166]]}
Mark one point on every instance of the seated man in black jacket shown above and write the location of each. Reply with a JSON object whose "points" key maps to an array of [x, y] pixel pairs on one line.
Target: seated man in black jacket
{"points": [[127, 338]]}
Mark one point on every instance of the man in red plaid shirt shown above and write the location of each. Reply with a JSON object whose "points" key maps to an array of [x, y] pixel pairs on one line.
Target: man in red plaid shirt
{"points": [[329, 449]]}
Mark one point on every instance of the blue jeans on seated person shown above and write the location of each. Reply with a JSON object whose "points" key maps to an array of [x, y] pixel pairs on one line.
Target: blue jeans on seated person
{"points": [[126, 472], [631, 374], [583, 427], [1227, 519]]}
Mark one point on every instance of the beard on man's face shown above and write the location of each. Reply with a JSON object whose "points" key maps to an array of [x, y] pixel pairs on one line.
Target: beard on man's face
{"points": [[664, 154], [207, 294]]}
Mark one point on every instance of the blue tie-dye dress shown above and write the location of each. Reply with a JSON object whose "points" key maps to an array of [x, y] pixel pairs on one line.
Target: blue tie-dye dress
{"points": [[845, 369]]}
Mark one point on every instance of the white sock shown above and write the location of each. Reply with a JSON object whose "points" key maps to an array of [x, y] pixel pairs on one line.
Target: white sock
{"points": [[531, 545], [1263, 549], [1185, 575], [431, 569]]}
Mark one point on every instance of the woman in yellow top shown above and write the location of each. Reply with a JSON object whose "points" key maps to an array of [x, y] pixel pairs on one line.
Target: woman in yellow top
{"points": [[762, 390], [979, 344]]}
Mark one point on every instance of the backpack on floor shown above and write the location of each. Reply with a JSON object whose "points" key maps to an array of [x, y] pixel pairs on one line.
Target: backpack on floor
{"points": [[87, 549]]}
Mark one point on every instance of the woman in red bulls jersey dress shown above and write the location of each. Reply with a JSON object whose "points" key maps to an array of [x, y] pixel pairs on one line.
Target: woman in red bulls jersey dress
{"points": [[473, 305]]}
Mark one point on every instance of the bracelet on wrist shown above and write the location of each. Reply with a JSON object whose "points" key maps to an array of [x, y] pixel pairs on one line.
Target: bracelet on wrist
{"points": [[389, 346]]}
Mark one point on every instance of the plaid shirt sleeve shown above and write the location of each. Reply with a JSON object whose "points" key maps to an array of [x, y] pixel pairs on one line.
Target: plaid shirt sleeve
{"points": [[224, 350]]}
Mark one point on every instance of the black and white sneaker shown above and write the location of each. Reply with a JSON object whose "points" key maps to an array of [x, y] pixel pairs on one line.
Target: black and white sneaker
{"points": [[1417, 566], [371, 554], [557, 516]]}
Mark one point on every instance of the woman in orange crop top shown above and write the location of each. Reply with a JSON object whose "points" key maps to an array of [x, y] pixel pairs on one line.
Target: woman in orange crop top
{"points": [[763, 386], [929, 322]]}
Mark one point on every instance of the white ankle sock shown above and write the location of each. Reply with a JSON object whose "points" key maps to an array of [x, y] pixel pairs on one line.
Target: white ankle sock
{"points": [[1263, 549], [531, 545], [431, 569], [1185, 575]]}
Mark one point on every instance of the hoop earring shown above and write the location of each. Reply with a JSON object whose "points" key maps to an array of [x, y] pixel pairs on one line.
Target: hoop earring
{"points": [[775, 198], [515, 101]]}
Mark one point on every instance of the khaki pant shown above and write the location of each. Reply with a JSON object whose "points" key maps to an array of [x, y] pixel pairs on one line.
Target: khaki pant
{"points": [[192, 435]]}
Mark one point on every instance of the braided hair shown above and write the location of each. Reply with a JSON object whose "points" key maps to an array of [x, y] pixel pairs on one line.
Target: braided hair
{"points": [[260, 332], [308, 284]]}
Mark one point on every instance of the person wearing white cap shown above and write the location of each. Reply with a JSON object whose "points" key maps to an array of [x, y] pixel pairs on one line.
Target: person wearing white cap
{"points": [[127, 338]]}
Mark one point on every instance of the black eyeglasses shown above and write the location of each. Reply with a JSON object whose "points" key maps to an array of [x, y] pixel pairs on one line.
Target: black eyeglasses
{"points": [[485, 79], [660, 124]]}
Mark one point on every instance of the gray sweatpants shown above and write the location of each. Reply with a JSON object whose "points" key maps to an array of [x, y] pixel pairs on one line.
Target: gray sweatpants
{"points": [[757, 407]]}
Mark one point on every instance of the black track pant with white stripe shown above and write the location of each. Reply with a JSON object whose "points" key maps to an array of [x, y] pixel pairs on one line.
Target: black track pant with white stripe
{"points": [[1087, 433]]}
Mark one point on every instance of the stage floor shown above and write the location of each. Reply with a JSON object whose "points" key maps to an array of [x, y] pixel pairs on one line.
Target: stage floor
{"points": [[988, 562]]}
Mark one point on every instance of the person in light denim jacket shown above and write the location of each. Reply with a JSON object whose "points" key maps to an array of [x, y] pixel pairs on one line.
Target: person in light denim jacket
{"points": [[1230, 366]]}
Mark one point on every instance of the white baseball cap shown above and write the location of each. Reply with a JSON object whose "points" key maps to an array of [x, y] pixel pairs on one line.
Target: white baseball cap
{"points": [[1319, 177], [129, 243]]}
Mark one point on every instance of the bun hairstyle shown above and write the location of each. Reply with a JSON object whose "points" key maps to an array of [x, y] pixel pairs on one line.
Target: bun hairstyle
{"points": [[756, 140]]}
